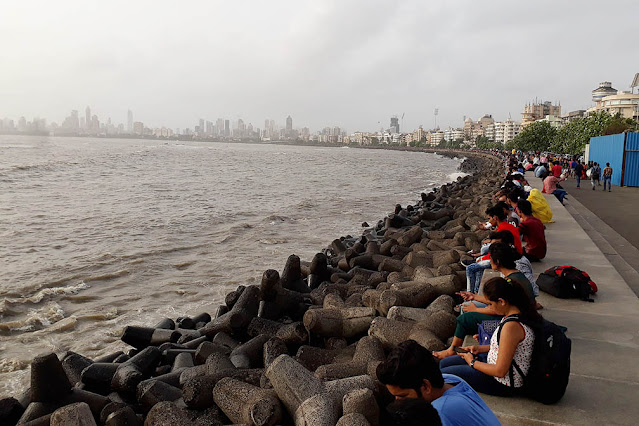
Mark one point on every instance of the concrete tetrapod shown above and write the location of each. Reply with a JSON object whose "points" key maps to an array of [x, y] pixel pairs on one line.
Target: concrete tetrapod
{"points": [[353, 419], [310, 401], [362, 401], [78, 414], [130, 373], [417, 296], [443, 303], [238, 317], [245, 403], [369, 350], [170, 414], [345, 322], [277, 301], [391, 332]]}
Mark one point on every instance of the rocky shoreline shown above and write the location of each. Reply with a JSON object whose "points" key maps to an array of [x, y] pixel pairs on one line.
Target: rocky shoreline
{"points": [[301, 348]]}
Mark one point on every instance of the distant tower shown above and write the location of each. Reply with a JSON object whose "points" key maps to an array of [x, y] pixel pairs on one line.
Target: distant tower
{"points": [[129, 126], [227, 128], [394, 124], [289, 123], [88, 117], [605, 89]]}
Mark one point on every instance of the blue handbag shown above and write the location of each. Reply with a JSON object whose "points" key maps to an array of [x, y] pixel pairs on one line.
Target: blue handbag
{"points": [[486, 330]]}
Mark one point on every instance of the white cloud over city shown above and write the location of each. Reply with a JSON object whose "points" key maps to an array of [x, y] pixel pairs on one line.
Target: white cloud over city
{"points": [[325, 63]]}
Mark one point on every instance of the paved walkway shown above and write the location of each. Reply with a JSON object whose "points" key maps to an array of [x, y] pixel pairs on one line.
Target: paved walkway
{"points": [[604, 380], [618, 208]]}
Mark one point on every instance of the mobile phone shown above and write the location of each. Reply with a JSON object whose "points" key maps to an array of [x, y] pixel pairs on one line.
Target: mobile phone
{"points": [[460, 350]]}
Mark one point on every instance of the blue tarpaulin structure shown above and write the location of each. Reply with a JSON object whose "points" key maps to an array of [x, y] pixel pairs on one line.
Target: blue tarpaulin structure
{"points": [[622, 152]]}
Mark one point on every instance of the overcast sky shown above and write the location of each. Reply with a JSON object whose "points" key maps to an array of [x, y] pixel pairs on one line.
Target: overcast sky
{"points": [[326, 63]]}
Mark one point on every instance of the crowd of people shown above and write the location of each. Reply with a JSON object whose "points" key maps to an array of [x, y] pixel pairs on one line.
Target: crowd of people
{"points": [[441, 387], [555, 170]]}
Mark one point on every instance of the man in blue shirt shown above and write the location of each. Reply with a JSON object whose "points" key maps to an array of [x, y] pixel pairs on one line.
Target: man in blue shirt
{"points": [[411, 371]]}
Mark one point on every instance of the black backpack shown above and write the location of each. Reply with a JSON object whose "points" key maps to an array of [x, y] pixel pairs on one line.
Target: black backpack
{"points": [[549, 371], [567, 282]]}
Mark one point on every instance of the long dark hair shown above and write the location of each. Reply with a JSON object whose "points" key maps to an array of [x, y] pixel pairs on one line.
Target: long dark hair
{"points": [[513, 293], [503, 255]]}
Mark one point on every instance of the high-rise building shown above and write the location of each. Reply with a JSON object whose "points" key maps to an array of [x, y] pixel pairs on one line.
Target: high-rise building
{"points": [[289, 123], [394, 124], [538, 110], [138, 128], [209, 128], [129, 126], [241, 128], [87, 115], [201, 126], [95, 124], [227, 128], [220, 126]]}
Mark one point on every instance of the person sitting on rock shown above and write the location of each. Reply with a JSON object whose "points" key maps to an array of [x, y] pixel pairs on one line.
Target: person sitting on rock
{"points": [[502, 260], [532, 230], [410, 371], [490, 368]]}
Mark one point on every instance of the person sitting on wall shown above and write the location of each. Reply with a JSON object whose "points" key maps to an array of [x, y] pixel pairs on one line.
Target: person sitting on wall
{"points": [[502, 260], [541, 171], [489, 368], [550, 187], [532, 231], [410, 371]]}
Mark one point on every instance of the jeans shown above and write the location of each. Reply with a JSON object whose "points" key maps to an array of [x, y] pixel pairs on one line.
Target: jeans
{"points": [[476, 379], [578, 177], [607, 179], [560, 194], [474, 274]]}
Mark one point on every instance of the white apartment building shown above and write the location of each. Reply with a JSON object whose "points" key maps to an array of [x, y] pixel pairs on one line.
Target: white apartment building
{"points": [[503, 131], [434, 138]]}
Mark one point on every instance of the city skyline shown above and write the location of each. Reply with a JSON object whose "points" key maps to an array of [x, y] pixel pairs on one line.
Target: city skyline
{"points": [[321, 62]]}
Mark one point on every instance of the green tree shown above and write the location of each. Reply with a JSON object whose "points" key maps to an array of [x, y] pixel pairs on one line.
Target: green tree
{"points": [[483, 142], [573, 137], [537, 136]]}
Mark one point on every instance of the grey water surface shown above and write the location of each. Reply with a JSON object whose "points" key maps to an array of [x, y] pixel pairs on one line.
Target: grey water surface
{"points": [[97, 234]]}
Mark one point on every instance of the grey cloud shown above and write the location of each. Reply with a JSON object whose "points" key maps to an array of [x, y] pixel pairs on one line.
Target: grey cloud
{"points": [[349, 63]]}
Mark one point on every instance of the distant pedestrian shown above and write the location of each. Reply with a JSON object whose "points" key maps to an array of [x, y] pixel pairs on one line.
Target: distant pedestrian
{"points": [[556, 169], [595, 172], [607, 176], [578, 170], [550, 187]]}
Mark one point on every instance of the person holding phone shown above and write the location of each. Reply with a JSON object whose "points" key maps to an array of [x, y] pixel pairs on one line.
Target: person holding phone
{"points": [[488, 368], [411, 372]]}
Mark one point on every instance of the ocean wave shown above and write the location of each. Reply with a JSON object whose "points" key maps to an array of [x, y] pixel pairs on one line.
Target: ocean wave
{"points": [[277, 218], [42, 317], [456, 175], [108, 276], [272, 241], [40, 295], [49, 165], [8, 365], [306, 204]]}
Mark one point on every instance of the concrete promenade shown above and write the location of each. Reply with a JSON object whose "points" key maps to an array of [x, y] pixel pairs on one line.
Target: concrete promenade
{"points": [[604, 380]]}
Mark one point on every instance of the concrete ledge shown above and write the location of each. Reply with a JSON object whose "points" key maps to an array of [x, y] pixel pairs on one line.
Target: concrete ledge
{"points": [[604, 380]]}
